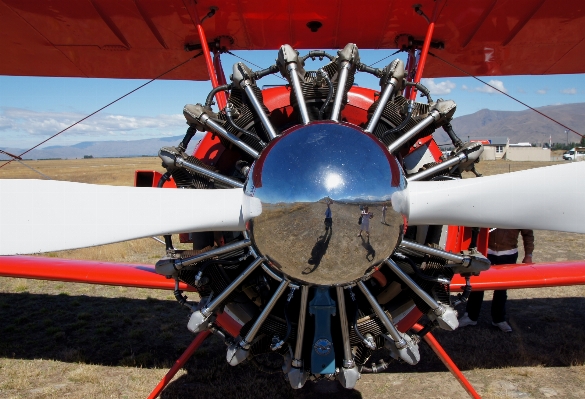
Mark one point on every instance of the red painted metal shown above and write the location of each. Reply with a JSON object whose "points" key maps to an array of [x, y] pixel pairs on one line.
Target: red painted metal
{"points": [[219, 68], [426, 45], [150, 178], [192, 9], [459, 238], [230, 325], [179, 363], [141, 39], [438, 349], [380, 278], [84, 271], [408, 321], [537, 275], [209, 150]]}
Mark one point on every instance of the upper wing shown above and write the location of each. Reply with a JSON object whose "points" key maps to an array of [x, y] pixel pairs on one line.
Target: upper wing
{"points": [[143, 38], [503, 277]]}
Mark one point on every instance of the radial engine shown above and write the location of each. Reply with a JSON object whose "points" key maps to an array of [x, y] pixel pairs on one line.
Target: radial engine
{"points": [[330, 272]]}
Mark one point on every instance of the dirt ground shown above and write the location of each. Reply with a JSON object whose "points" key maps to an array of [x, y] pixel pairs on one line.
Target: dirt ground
{"points": [[77, 341]]}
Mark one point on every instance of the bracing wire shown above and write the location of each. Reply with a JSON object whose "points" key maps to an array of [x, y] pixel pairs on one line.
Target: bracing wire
{"points": [[104, 107], [251, 63], [388, 56], [504, 93]]}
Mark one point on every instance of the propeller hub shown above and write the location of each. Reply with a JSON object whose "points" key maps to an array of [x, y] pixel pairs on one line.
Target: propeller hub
{"points": [[314, 181]]}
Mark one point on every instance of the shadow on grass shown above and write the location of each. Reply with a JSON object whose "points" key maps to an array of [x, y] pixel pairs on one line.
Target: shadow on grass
{"points": [[93, 330], [152, 333]]}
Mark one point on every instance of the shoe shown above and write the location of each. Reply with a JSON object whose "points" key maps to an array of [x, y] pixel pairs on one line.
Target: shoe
{"points": [[504, 326], [465, 321]]}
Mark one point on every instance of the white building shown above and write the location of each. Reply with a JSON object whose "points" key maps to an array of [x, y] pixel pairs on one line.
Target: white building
{"points": [[501, 148]]}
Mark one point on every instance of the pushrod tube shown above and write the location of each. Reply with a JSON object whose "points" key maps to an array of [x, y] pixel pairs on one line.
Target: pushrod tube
{"points": [[394, 333], [297, 362], [180, 263], [414, 131], [218, 300], [335, 113], [260, 112], [296, 84], [433, 251], [413, 286], [386, 94], [347, 355], [246, 342], [216, 176], [231, 138], [443, 165]]}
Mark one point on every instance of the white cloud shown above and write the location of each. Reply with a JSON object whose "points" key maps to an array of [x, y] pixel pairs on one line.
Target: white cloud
{"points": [[464, 87], [18, 120], [443, 87], [541, 91], [498, 84], [570, 90]]}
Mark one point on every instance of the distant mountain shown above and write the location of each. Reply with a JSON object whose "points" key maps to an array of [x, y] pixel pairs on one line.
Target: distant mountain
{"points": [[520, 126], [100, 149]]}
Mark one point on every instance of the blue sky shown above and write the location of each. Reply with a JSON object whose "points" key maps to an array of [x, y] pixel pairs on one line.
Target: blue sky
{"points": [[33, 108]]}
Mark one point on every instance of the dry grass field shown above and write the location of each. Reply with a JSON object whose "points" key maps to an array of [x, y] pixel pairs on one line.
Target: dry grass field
{"points": [[63, 340]]}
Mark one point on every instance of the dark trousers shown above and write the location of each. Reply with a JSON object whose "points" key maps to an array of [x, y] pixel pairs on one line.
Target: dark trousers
{"points": [[500, 296]]}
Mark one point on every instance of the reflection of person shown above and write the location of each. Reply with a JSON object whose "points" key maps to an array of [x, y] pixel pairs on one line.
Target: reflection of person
{"points": [[502, 250], [384, 207], [365, 226], [328, 218]]}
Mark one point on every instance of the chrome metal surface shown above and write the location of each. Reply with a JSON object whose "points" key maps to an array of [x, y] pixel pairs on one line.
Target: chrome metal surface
{"points": [[247, 341], [394, 333], [434, 251], [260, 112], [297, 362], [413, 286], [296, 84], [214, 304], [414, 131], [228, 136], [344, 72], [271, 272], [211, 174], [443, 165], [181, 263], [386, 94], [308, 170], [347, 355]]}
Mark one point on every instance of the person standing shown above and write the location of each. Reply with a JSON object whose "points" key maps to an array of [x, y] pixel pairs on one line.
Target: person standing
{"points": [[328, 217], [502, 250], [384, 208], [365, 225]]}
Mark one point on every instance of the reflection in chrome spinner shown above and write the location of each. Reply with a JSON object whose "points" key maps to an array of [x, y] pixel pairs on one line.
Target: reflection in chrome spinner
{"points": [[313, 182]]}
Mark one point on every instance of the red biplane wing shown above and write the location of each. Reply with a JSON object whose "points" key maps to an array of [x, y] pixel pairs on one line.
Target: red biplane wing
{"points": [[84, 271], [537, 275], [143, 276], [143, 38]]}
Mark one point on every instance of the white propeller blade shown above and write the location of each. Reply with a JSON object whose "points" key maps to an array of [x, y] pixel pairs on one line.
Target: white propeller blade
{"points": [[549, 198], [47, 215]]}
